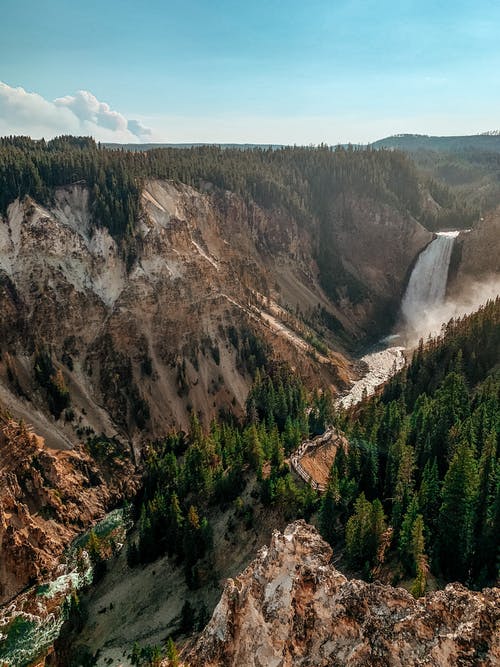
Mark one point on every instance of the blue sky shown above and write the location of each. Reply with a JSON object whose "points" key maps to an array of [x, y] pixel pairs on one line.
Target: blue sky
{"points": [[276, 71]]}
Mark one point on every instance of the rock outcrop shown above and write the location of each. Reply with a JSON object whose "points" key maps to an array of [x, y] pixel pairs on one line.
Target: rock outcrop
{"points": [[476, 257], [292, 607], [378, 246]]}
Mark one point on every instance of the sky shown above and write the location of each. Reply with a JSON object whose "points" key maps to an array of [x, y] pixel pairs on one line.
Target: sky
{"points": [[275, 71]]}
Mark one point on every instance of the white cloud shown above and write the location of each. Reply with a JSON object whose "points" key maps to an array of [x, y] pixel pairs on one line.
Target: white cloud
{"points": [[22, 112]]}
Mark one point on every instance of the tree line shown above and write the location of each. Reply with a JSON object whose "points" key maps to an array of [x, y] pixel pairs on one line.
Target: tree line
{"points": [[312, 184], [424, 460], [418, 485], [188, 474]]}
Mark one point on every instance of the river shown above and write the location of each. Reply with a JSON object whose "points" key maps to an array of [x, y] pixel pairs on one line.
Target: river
{"points": [[31, 623]]}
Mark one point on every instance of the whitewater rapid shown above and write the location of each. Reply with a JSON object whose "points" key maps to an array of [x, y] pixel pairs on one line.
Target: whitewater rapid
{"points": [[381, 365]]}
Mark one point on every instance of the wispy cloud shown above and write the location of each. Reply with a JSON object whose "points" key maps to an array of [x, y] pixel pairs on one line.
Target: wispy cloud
{"points": [[23, 112]]}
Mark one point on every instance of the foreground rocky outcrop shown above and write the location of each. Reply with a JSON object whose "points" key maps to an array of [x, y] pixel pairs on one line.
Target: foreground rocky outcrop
{"points": [[47, 498], [292, 607]]}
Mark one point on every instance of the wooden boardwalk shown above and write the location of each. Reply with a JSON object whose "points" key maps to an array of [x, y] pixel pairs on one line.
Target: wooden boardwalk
{"points": [[309, 446]]}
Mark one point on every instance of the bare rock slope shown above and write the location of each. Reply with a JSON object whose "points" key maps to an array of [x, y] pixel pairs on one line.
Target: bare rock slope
{"points": [[48, 497], [143, 339], [477, 255], [292, 607]]}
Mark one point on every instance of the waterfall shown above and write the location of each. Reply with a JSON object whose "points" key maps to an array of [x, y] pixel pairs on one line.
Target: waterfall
{"points": [[427, 285], [423, 311]]}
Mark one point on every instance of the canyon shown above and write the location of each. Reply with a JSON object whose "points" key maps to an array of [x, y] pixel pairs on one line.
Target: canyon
{"points": [[140, 345]]}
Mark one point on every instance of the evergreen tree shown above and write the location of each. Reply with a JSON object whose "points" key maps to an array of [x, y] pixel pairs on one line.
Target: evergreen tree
{"points": [[429, 498], [254, 449], [405, 546], [487, 526], [418, 547], [364, 532], [403, 491], [457, 514], [328, 509], [172, 654]]}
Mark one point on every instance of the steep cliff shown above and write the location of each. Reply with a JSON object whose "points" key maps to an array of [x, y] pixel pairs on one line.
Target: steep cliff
{"points": [[477, 254], [292, 607], [48, 497], [376, 245], [140, 340]]}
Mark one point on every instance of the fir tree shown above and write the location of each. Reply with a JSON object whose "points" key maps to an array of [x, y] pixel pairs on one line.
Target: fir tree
{"points": [[457, 514], [328, 509]]}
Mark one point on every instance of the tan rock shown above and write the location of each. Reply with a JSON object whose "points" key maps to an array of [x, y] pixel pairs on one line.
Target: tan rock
{"points": [[292, 607], [205, 261]]}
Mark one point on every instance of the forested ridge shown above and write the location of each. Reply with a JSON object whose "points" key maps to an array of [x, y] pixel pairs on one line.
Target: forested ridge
{"points": [[417, 491], [301, 180], [420, 481], [313, 185], [428, 458], [467, 166]]}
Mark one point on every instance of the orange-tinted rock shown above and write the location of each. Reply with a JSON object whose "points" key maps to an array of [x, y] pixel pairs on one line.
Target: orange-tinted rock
{"points": [[47, 497]]}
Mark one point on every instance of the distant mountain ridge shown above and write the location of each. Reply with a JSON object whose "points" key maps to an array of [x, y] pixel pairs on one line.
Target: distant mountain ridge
{"points": [[489, 142], [151, 146], [486, 141]]}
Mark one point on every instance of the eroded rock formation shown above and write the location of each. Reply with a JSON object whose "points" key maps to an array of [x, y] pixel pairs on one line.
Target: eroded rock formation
{"points": [[142, 339], [48, 497], [292, 607], [477, 255]]}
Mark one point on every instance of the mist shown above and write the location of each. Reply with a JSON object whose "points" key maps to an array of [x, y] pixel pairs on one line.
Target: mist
{"points": [[429, 322]]}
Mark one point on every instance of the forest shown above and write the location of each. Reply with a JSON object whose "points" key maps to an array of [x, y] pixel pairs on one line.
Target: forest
{"points": [[420, 480], [418, 487], [302, 180], [307, 182], [428, 459]]}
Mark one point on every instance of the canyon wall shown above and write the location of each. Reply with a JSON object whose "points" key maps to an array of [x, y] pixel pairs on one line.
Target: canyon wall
{"points": [[140, 341], [47, 498]]}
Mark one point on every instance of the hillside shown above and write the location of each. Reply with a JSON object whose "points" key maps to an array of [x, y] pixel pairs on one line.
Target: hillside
{"points": [[149, 298], [416, 475], [465, 169], [427, 457], [189, 316], [47, 498], [417, 142], [477, 258]]}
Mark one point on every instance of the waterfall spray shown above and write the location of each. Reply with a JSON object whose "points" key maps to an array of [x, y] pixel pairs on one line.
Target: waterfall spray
{"points": [[427, 285]]}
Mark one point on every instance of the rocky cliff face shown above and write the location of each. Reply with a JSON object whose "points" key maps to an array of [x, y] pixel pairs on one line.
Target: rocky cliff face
{"points": [[477, 254], [292, 607], [378, 246], [141, 342], [48, 497]]}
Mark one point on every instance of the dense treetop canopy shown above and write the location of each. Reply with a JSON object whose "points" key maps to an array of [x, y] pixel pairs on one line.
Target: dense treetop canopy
{"points": [[302, 180], [417, 487]]}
